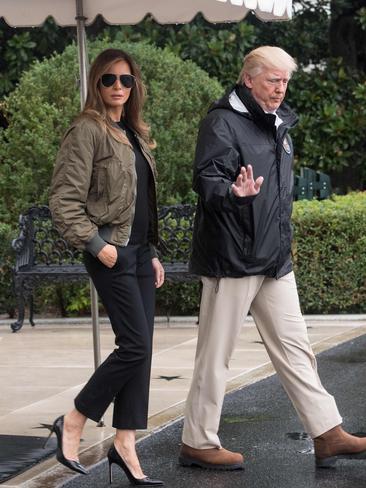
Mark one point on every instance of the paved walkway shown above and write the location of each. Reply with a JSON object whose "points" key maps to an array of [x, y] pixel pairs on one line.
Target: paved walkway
{"points": [[42, 368]]}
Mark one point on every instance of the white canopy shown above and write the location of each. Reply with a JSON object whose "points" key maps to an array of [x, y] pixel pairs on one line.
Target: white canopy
{"points": [[24, 13]]}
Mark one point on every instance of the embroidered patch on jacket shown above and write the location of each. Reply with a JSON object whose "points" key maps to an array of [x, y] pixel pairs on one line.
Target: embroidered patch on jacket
{"points": [[286, 146]]}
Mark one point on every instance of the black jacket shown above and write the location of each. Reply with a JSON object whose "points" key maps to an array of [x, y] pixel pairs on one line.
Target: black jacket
{"points": [[235, 237]]}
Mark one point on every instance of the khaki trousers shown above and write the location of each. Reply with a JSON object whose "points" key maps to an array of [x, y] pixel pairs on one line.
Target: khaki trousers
{"points": [[274, 305]]}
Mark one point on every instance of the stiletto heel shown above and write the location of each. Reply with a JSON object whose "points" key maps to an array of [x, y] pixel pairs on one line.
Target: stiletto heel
{"points": [[58, 429], [48, 438], [114, 457]]}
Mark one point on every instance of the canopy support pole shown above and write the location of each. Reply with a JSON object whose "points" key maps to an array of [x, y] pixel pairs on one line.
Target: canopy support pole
{"points": [[83, 57], [83, 70]]}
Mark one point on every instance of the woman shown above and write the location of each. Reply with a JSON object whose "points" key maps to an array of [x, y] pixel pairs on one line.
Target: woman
{"points": [[103, 200]]}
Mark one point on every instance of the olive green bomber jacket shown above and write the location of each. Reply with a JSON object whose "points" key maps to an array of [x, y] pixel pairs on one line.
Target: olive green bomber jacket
{"points": [[93, 188]]}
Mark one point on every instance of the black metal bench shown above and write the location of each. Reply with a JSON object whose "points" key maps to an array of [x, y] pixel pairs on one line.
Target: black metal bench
{"points": [[42, 255]]}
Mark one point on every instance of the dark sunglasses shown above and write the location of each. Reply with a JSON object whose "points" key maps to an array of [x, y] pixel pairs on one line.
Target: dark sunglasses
{"points": [[109, 80]]}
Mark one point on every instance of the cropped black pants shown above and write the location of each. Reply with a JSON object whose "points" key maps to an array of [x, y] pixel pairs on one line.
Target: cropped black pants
{"points": [[127, 292]]}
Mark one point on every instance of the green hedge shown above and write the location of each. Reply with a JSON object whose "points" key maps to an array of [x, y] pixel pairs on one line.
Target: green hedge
{"points": [[330, 254]]}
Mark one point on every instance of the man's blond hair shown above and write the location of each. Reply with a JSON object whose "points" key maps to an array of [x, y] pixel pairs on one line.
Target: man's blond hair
{"points": [[266, 57]]}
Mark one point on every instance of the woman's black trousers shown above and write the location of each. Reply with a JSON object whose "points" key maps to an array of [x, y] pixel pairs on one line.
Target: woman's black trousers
{"points": [[127, 292]]}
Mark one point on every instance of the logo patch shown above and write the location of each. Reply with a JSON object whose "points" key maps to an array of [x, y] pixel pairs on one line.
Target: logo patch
{"points": [[286, 146]]}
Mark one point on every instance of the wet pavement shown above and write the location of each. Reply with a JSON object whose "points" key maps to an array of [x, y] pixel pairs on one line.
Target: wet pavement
{"points": [[259, 421]]}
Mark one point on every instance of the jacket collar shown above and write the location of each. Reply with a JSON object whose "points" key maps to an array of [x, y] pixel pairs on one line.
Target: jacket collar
{"points": [[239, 106], [239, 99]]}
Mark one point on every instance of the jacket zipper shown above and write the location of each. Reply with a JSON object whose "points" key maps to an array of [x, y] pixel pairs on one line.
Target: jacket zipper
{"points": [[279, 143]]}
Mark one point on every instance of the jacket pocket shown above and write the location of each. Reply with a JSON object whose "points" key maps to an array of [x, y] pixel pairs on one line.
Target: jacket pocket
{"points": [[120, 188], [247, 229], [100, 182], [97, 202]]}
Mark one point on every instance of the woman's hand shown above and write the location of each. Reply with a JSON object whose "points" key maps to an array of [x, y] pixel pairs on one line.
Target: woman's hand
{"points": [[108, 255], [245, 186], [158, 271]]}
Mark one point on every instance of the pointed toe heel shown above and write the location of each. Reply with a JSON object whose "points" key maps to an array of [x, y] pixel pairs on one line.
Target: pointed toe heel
{"points": [[71, 464], [115, 458], [58, 429]]}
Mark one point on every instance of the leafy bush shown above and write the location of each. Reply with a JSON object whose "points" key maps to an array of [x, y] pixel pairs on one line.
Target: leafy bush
{"points": [[331, 103], [330, 254], [219, 49], [47, 99], [178, 299], [7, 302], [21, 46]]}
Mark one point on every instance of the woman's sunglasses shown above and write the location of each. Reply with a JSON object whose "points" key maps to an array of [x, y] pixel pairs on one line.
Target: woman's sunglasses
{"points": [[109, 80]]}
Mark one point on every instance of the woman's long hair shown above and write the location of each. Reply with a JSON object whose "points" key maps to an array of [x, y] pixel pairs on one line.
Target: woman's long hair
{"points": [[132, 109]]}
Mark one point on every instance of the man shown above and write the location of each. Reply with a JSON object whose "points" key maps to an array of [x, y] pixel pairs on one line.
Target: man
{"points": [[242, 249]]}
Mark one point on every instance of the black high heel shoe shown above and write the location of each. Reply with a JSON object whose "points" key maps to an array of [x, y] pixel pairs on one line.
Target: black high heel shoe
{"points": [[58, 428], [114, 457]]}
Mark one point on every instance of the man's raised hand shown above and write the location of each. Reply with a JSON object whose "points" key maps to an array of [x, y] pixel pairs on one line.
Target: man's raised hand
{"points": [[245, 186]]}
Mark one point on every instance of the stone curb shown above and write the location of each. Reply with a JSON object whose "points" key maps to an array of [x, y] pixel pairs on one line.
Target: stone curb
{"points": [[183, 321]]}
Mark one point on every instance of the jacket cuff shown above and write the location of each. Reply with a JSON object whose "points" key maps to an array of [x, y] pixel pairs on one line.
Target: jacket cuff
{"points": [[154, 254], [240, 200], [95, 245]]}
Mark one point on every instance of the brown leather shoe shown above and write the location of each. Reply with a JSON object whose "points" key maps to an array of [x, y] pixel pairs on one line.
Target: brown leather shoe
{"points": [[338, 444], [215, 458]]}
